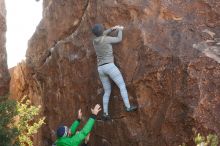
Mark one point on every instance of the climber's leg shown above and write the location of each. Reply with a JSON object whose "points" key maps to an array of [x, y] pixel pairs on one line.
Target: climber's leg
{"points": [[107, 89], [116, 76]]}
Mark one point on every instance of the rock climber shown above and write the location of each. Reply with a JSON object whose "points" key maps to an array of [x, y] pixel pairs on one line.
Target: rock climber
{"points": [[69, 137], [106, 67]]}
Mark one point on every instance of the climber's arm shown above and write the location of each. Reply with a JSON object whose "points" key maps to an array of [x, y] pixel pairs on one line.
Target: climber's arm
{"points": [[80, 136], [116, 39], [74, 126], [106, 32], [76, 123]]}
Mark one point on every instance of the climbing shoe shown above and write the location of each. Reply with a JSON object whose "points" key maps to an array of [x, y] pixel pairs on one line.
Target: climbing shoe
{"points": [[131, 108], [106, 117]]}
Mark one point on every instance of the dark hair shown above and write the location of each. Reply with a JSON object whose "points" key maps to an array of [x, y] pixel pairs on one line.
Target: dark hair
{"points": [[97, 30]]}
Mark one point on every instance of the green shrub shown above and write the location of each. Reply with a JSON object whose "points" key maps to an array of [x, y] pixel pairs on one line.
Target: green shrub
{"points": [[19, 121], [7, 131], [210, 140], [28, 123]]}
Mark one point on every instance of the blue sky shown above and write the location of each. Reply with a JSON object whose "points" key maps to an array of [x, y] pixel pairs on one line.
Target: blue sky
{"points": [[23, 17]]}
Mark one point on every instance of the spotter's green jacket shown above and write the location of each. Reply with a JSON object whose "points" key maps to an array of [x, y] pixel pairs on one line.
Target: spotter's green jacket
{"points": [[77, 139]]}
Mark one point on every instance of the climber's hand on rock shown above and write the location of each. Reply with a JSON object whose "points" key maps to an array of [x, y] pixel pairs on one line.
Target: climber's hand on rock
{"points": [[120, 27], [96, 109], [80, 114], [114, 28]]}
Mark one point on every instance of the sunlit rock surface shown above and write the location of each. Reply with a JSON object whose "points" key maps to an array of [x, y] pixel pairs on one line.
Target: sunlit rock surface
{"points": [[169, 58]]}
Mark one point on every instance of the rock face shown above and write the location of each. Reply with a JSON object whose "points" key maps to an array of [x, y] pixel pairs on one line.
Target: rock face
{"points": [[169, 57], [4, 74]]}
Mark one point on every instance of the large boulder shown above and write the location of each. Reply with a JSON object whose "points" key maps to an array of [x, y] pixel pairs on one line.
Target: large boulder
{"points": [[169, 58], [4, 73]]}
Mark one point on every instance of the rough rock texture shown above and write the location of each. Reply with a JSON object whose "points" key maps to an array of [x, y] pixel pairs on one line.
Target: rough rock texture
{"points": [[169, 57], [4, 74]]}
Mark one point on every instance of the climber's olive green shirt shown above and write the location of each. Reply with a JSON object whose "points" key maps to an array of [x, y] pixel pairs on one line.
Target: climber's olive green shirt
{"points": [[103, 47]]}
